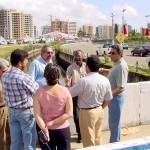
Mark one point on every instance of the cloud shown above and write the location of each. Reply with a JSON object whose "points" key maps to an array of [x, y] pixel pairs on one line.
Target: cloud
{"points": [[72, 10], [129, 12]]}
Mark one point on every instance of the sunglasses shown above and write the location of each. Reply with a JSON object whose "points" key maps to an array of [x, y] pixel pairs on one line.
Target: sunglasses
{"points": [[49, 52], [112, 53]]}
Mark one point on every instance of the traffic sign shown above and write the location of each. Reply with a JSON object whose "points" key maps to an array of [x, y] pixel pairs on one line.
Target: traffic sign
{"points": [[120, 37]]}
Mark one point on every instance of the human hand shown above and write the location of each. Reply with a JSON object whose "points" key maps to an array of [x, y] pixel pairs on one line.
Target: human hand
{"points": [[101, 69], [49, 124]]}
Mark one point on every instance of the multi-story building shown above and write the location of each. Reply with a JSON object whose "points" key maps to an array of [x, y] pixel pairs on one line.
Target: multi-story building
{"points": [[35, 32], [72, 28], [60, 26], [104, 32], [129, 28], [46, 29], [88, 29], [28, 25], [67, 27], [15, 25], [5, 31]]}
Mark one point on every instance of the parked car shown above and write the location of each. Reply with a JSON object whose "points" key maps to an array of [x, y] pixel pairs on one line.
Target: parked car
{"points": [[124, 45], [103, 50], [141, 50]]}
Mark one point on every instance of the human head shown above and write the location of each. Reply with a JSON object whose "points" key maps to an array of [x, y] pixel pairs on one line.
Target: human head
{"points": [[116, 53], [46, 53], [52, 74], [4, 65], [92, 64], [19, 58], [78, 57]]}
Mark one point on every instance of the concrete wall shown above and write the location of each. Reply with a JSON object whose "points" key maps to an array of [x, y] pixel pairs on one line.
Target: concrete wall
{"points": [[136, 108]]}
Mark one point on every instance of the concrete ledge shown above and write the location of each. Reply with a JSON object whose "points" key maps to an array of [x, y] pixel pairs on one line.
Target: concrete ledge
{"points": [[136, 144]]}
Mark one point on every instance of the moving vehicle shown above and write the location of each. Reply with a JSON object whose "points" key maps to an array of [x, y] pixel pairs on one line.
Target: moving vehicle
{"points": [[124, 45], [141, 50], [103, 50]]}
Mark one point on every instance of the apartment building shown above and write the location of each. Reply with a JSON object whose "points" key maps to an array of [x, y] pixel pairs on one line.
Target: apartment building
{"points": [[15, 25], [72, 28], [28, 25], [60, 26], [5, 31], [67, 27], [104, 32], [88, 29], [45, 29]]}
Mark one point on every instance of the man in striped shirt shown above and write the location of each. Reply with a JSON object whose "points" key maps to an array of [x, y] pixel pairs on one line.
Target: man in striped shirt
{"points": [[18, 90]]}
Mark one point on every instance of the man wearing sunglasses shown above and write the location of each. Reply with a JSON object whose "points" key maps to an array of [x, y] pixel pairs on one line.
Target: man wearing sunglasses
{"points": [[36, 68], [117, 76]]}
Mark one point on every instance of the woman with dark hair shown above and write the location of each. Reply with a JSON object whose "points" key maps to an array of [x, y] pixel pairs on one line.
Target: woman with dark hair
{"points": [[52, 109]]}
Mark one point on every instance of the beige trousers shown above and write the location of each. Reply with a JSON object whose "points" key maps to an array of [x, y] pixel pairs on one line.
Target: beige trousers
{"points": [[4, 129], [90, 121]]}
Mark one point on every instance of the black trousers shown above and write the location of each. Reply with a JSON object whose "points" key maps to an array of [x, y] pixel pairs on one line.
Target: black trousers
{"points": [[76, 116], [59, 140]]}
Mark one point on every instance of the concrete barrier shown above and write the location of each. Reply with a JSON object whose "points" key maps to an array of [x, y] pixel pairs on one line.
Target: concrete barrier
{"points": [[136, 108]]}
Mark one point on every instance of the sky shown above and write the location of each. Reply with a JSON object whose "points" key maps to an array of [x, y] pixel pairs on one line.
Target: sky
{"points": [[93, 12]]}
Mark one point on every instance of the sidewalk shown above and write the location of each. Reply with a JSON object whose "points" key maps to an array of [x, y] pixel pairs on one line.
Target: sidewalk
{"points": [[127, 134]]}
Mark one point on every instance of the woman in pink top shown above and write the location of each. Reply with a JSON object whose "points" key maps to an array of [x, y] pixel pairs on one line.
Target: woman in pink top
{"points": [[52, 109]]}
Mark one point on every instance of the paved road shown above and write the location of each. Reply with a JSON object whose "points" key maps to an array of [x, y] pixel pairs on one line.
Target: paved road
{"points": [[88, 47]]}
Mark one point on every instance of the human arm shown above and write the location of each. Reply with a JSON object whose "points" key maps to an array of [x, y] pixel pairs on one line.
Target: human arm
{"points": [[32, 70], [105, 103], [68, 76], [66, 115], [68, 81], [117, 90], [104, 70], [37, 114]]}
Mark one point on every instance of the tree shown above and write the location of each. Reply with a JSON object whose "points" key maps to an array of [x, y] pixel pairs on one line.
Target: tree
{"points": [[81, 33], [134, 33]]}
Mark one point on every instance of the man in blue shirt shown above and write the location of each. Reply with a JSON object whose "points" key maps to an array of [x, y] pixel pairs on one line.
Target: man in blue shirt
{"points": [[36, 68], [36, 71]]}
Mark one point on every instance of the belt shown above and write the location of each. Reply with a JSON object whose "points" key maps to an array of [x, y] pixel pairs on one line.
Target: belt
{"points": [[90, 107], [23, 109], [2, 106]]}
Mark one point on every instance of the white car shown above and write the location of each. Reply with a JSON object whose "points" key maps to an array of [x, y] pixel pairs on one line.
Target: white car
{"points": [[100, 51], [124, 45]]}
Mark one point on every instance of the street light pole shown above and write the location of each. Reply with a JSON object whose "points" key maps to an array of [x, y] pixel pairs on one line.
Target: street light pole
{"points": [[112, 15], [123, 18], [147, 19]]}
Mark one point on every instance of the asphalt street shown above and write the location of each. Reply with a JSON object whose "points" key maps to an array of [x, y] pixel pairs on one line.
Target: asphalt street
{"points": [[88, 48]]}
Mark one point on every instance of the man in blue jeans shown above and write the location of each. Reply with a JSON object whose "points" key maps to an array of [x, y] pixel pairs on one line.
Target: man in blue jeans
{"points": [[118, 75], [18, 90]]}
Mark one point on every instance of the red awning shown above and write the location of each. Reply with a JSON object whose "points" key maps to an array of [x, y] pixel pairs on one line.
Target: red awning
{"points": [[147, 32], [125, 32]]}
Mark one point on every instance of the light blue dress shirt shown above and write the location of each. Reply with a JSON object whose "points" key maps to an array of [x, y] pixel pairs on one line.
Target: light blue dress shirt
{"points": [[36, 70]]}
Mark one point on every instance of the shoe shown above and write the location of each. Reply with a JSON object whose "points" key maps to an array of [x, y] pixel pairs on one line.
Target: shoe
{"points": [[79, 141]]}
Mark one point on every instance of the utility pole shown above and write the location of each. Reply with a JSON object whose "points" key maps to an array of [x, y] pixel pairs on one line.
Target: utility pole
{"points": [[123, 18], [147, 19], [112, 16]]}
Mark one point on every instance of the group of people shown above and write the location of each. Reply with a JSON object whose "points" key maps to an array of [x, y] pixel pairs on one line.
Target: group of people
{"points": [[37, 102]]}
